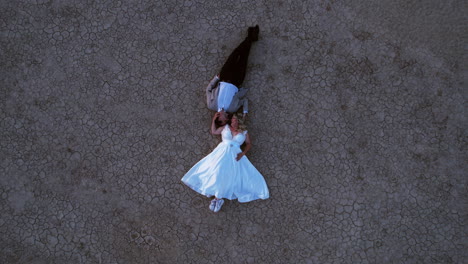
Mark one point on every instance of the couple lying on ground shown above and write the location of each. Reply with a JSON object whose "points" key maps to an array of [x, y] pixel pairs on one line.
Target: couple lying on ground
{"points": [[226, 172]]}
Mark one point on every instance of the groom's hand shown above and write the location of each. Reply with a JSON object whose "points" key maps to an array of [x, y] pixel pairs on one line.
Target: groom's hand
{"points": [[239, 156]]}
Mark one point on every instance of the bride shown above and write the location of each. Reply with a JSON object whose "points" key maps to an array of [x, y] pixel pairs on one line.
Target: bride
{"points": [[226, 172]]}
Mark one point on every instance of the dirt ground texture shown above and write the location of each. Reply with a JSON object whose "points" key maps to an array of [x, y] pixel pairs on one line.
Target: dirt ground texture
{"points": [[357, 117]]}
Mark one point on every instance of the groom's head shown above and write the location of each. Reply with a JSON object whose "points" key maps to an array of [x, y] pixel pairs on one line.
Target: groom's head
{"points": [[223, 118]]}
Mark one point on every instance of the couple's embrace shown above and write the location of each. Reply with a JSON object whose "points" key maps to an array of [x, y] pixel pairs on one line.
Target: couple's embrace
{"points": [[226, 172]]}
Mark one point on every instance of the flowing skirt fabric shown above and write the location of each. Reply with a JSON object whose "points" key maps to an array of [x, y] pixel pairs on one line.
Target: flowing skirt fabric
{"points": [[220, 175]]}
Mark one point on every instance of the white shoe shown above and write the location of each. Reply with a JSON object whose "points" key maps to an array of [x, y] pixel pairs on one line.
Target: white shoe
{"points": [[219, 203], [212, 204]]}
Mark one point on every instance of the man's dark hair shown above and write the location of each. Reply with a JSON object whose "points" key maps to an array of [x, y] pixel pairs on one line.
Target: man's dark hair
{"points": [[220, 123]]}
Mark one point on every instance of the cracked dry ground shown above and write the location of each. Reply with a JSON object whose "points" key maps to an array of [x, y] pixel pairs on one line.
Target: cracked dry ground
{"points": [[358, 121]]}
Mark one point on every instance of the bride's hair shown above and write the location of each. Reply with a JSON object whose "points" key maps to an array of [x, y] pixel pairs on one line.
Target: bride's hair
{"points": [[241, 121]]}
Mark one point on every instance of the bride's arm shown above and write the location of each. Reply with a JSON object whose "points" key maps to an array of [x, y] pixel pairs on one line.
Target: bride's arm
{"points": [[248, 145], [214, 130]]}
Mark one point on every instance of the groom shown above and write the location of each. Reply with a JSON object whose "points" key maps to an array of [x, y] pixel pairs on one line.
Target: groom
{"points": [[222, 93]]}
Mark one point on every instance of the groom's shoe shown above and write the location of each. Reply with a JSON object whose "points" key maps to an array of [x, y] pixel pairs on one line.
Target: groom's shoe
{"points": [[219, 203], [212, 205], [253, 33]]}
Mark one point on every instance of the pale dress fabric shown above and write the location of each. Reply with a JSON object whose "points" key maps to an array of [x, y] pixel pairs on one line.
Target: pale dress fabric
{"points": [[220, 175]]}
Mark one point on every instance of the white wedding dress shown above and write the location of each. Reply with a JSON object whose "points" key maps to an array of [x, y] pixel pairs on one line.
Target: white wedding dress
{"points": [[220, 175]]}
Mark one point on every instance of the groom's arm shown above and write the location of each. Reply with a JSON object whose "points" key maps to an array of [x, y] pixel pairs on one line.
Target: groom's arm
{"points": [[242, 92], [212, 84], [245, 105]]}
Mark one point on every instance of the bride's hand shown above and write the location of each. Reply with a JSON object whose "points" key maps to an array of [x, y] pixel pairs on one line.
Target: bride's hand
{"points": [[239, 156]]}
